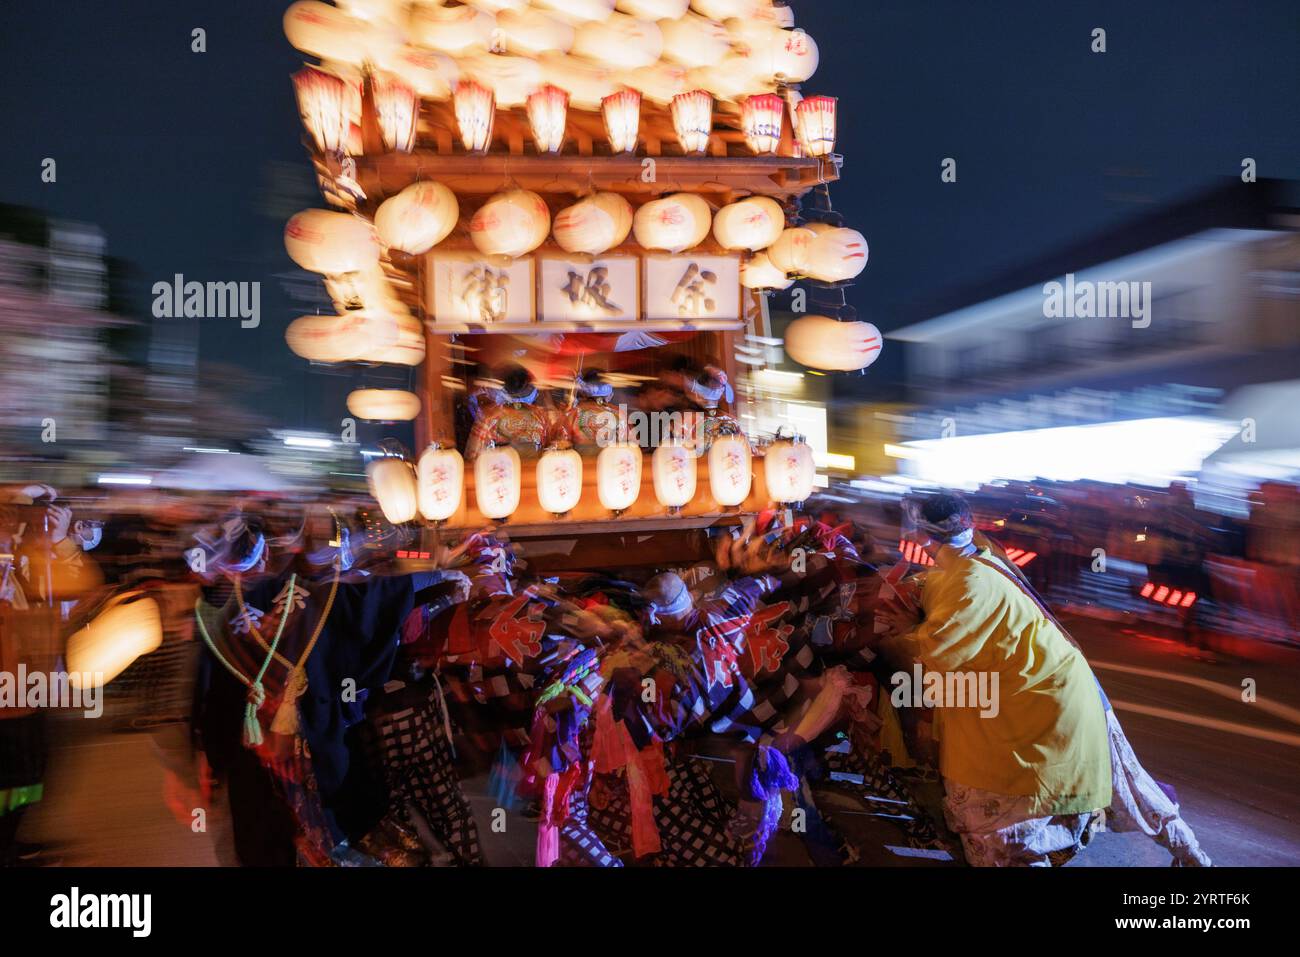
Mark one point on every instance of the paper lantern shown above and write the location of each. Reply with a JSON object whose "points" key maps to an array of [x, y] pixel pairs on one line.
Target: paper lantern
{"points": [[673, 467], [325, 31], [384, 405], [533, 33], [694, 41], [753, 223], [759, 273], [392, 485], [323, 106], [659, 82], [654, 9], [792, 56], [814, 123], [738, 75], [376, 10], [790, 251], [453, 30], [790, 471], [761, 117], [327, 242], [475, 108], [672, 223], [586, 83], [340, 338], [510, 78], [417, 218], [396, 109], [726, 9], [440, 481], [548, 110], [620, 41], [836, 255], [497, 473], [693, 120], [430, 74], [821, 342], [129, 626], [578, 11], [497, 6], [407, 350], [618, 476], [622, 113], [559, 480], [510, 224], [593, 225], [730, 469]]}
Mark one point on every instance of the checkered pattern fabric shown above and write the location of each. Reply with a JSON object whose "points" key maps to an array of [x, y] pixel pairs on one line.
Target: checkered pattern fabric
{"points": [[410, 743], [692, 818]]}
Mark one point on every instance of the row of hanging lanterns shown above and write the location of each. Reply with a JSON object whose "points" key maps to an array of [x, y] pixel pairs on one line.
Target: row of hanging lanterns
{"points": [[435, 486]]}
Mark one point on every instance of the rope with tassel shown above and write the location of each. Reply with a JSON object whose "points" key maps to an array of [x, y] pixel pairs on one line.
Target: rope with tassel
{"points": [[256, 692]]}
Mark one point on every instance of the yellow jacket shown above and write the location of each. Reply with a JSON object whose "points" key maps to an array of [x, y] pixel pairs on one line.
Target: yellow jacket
{"points": [[1048, 740]]}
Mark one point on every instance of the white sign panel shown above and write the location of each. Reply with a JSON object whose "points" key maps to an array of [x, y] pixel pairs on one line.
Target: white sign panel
{"points": [[689, 288], [604, 288], [469, 289]]}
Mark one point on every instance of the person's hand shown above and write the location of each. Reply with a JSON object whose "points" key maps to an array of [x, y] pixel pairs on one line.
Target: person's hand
{"points": [[57, 520], [898, 621]]}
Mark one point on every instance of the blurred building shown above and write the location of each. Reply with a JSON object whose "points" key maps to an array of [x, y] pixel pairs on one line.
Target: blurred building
{"points": [[55, 319], [1215, 283]]}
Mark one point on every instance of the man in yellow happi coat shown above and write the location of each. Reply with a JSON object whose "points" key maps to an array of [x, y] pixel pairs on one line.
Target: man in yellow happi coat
{"points": [[1027, 764]]}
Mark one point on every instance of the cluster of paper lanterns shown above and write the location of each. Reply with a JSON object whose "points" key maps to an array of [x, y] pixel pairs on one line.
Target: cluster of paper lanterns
{"points": [[435, 486], [601, 55], [128, 626]]}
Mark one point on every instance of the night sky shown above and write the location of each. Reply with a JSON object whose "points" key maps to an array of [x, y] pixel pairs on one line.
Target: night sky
{"points": [[191, 162]]}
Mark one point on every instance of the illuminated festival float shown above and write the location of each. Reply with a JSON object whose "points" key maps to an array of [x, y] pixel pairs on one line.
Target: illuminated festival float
{"points": [[564, 216]]}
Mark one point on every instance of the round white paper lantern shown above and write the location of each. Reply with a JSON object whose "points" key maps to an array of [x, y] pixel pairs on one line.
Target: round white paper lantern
{"points": [[578, 11], [753, 223], [836, 255], [326, 242], [759, 273], [511, 224], [673, 467], [389, 11], [730, 469], [559, 480], [790, 471], [325, 31], [532, 33], [586, 83], [406, 350], [790, 56], [440, 477], [341, 338], [738, 75], [128, 627], [618, 476], [821, 342], [511, 78], [790, 251], [384, 405], [392, 484], [497, 474], [659, 82], [417, 218], [499, 6], [726, 9], [694, 41], [431, 74], [654, 9], [619, 41], [453, 30], [593, 225], [672, 223]]}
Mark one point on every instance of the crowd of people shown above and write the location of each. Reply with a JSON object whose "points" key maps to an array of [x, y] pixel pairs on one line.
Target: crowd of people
{"points": [[340, 700]]}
